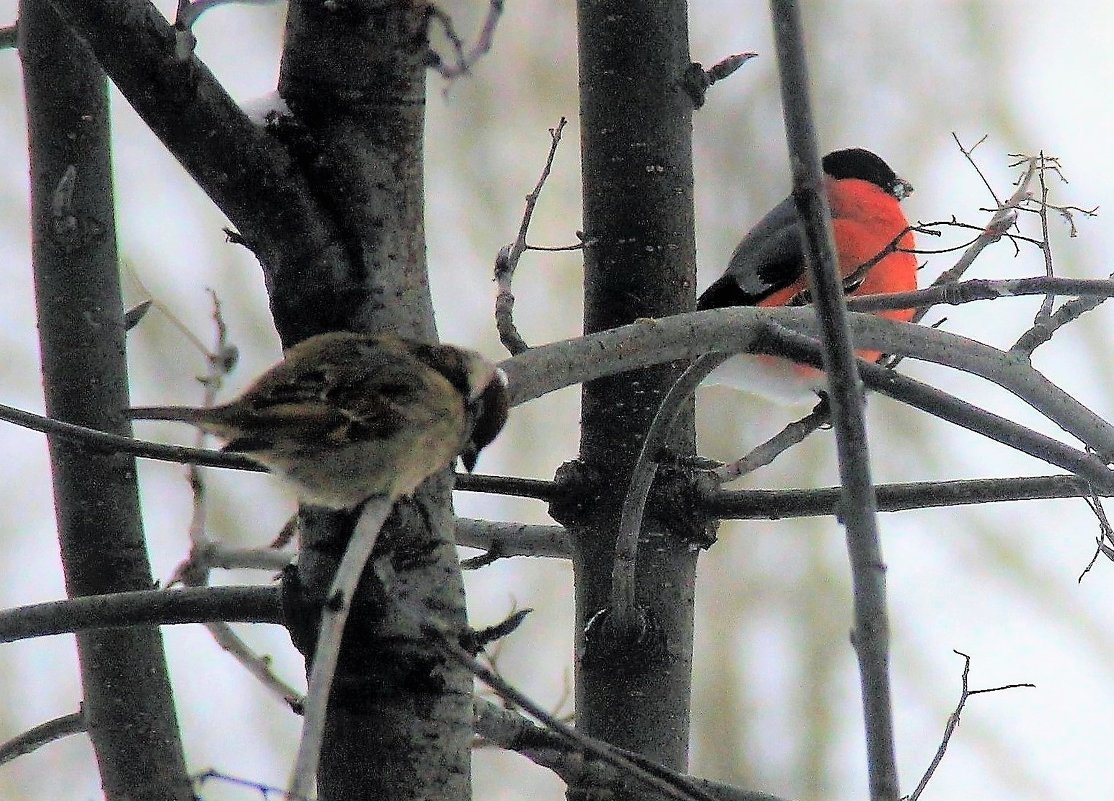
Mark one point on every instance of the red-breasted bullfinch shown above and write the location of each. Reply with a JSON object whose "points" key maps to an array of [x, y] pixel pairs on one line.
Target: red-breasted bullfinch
{"points": [[768, 267]]}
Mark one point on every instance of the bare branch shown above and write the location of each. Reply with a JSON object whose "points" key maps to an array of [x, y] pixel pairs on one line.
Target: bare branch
{"points": [[953, 722], [1105, 540], [859, 507], [697, 80], [1002, 219], [671, 784], [778, 504], [968, 154], [507, 260], [43, 734], [955, 294], [256, 665], [502, 540], [791, 435], [1045, 311], [265, 790], [507, 485], [333, 617], [624, 610], [115, 443], [464, 60], [512, 731], [142, 608], [1045, 327], [544, 369]]}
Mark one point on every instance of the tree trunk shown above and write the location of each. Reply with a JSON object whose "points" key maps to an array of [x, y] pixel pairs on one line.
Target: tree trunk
{"points": [[128, 704], [633, 691]]}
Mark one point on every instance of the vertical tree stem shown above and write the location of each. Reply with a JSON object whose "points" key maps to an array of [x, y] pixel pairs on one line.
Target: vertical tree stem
{"points": [[858, 503], [633, 682], [128, 701]]}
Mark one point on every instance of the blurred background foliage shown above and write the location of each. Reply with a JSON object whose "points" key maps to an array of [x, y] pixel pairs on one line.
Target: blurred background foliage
{"points": [[776, 692]]}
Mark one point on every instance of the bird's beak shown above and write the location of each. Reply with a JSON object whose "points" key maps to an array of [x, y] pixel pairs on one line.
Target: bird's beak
{"points": [[489, 413], [901, 189]]}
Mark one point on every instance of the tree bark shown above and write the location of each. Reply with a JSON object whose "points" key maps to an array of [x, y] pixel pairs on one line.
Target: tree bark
{"points": [[633, 690], [400, 716], [127, 696]]}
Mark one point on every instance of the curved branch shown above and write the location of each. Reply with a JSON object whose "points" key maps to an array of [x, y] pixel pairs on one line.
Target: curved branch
{"points": [[623, 604], [327, 652], [686, 336], [43, 734]]}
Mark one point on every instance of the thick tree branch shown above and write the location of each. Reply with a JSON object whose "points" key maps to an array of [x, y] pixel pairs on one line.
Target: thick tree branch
{"points": [[240, 166], [779, 504], [142, 608], [80, 316], [546, 368]]}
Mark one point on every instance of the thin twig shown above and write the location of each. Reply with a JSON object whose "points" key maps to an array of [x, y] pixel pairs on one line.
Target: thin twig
{"points": [[1002, 219], [325, 655], [671, 784], [194, 570], [115, 443], [764, 454], [955, 294], [1045, 311], [264, 790], [507, 260], [512, 731], [464, 61], [255, 664], [859, 506], [697, 80], [968, 153], [43, 734], [953, 722], [1105, 540]]}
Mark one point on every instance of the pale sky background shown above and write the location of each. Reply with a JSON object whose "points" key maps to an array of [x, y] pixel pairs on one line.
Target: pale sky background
{"points": [[776, 691]]}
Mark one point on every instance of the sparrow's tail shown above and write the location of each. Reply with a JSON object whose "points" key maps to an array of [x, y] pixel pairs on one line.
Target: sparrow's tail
{"points": [[186, 414]]}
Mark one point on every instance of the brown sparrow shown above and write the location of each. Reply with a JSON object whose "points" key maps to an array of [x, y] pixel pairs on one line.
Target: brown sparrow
{"points": [[344, 416]]}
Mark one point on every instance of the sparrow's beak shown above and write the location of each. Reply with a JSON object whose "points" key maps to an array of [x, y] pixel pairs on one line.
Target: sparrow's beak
{"points": [[489, 413]]}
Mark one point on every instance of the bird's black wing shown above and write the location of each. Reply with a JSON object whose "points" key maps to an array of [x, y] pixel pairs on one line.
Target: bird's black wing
{"points": [[768, 259]]}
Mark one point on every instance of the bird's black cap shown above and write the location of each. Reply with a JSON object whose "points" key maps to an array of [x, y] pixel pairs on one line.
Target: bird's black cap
{"points": [[858, 163]]}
